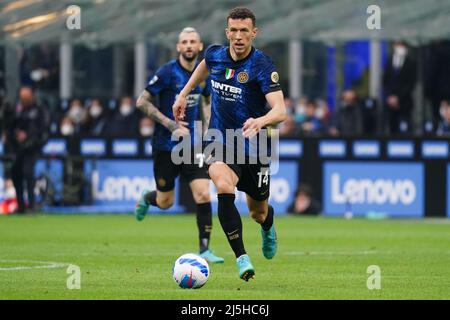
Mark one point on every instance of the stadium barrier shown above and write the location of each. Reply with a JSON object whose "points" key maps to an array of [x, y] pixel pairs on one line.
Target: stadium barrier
{"points": [[404, 177]]}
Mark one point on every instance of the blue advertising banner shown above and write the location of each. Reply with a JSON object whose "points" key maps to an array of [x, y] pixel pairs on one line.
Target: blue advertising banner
{"points": [[118, 184], [365, 188], [282, 188]]}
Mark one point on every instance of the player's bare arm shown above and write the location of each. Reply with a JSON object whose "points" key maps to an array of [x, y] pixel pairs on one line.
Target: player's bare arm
{"points": [[276, 115], [206, 111], [144, 104], [179, 107]]}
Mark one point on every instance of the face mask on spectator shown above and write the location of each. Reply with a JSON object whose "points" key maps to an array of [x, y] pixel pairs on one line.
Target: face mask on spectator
{"points": [[320, 113], [95, 111], [300, 109], [76, 114], [146, 131], [66, 129], [125, 109]]}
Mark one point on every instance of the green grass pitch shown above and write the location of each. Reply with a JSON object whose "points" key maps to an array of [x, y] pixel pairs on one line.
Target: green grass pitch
{"points": [[318, 258]]}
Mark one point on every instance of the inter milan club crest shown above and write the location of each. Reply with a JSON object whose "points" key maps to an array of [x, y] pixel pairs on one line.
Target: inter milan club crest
{"points": [[242, 77], [229, 73]]}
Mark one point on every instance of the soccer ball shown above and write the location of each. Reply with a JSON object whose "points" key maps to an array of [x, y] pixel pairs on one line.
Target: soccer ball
{"points": [[190, 271]]}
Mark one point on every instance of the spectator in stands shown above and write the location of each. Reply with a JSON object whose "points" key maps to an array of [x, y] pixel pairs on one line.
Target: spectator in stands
{"points": [[27, 134], [66, 127], [436, 73], [300, 109], [96, 120], [126, 121], [289, 105], [146, 127], [444, 126], [347, 119], [304, 203], [398, 81], [322, 111], [77, 114], [310, 124], [289, 128]]}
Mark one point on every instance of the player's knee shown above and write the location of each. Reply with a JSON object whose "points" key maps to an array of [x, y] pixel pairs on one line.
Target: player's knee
{"points": [[202, 196], [224, 187]]}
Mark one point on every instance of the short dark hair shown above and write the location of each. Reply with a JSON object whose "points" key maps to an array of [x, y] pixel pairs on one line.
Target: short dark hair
{"points": [[241, 13], [304, 189]]}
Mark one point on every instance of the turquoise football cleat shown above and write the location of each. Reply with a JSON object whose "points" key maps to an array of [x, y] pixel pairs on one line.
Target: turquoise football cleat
{"points": [[141, 207], [209, 256], [269, 242], [246, 270]]}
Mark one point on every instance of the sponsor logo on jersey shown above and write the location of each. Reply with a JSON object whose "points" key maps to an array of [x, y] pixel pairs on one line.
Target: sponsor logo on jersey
{"points": [[242, 77], [275, 77], [229, 73], [192, 99], [225, 87]]}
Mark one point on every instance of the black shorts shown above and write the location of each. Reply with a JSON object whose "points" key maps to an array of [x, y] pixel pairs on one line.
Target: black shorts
{"points": [[254, 179], [253, 175], [165, 171]]}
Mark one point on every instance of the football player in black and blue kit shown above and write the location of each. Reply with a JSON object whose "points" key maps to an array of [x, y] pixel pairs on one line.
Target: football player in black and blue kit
{"points": [[167, 83], [243, 81]]}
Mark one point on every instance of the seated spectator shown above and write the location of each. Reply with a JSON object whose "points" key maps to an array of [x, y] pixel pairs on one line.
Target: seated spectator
{"points": [[300, 109], [289, 128], [304, 203], [146, 127], [96, 119], [347, 119], [444, 126], [322, 111], [66, 127], [77, 114], [310, 124], [289, 105], [126, 121]]}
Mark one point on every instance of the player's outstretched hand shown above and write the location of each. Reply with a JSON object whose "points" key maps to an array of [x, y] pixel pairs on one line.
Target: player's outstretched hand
{"points": [[182, 129], [179, 108], [252, 127]]}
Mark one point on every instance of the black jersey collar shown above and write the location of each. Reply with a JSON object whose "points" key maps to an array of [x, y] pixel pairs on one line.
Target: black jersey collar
{"points": [[181, 66], [239, 61]]}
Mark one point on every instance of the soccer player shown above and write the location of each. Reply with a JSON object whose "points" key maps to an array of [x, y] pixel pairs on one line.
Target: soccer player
{"points": [[167, 83], [243, 79]]}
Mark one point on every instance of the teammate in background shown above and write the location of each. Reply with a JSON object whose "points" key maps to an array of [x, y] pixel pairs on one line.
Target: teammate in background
{"points": [[243, 79], [167, 83]]}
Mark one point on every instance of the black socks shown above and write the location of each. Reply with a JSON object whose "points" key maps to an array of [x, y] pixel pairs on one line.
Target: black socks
{"points": [[150, 198], [231, 222], [204, 224], [267, 224]]}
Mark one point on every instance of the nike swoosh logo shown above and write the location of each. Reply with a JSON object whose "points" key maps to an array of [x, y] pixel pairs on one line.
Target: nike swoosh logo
{"points": [[230, 233], [263, 193]]}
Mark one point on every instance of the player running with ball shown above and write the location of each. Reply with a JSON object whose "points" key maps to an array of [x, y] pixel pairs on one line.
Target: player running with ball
{"points": [[167, 83], [243, 79]]}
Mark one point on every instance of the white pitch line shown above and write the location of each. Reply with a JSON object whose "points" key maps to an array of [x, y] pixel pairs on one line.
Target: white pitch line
{"points": [[43, 265], [330, 253]]}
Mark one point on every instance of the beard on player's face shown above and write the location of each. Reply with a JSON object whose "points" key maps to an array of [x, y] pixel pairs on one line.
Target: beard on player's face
{"points": [[189, 55]]}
